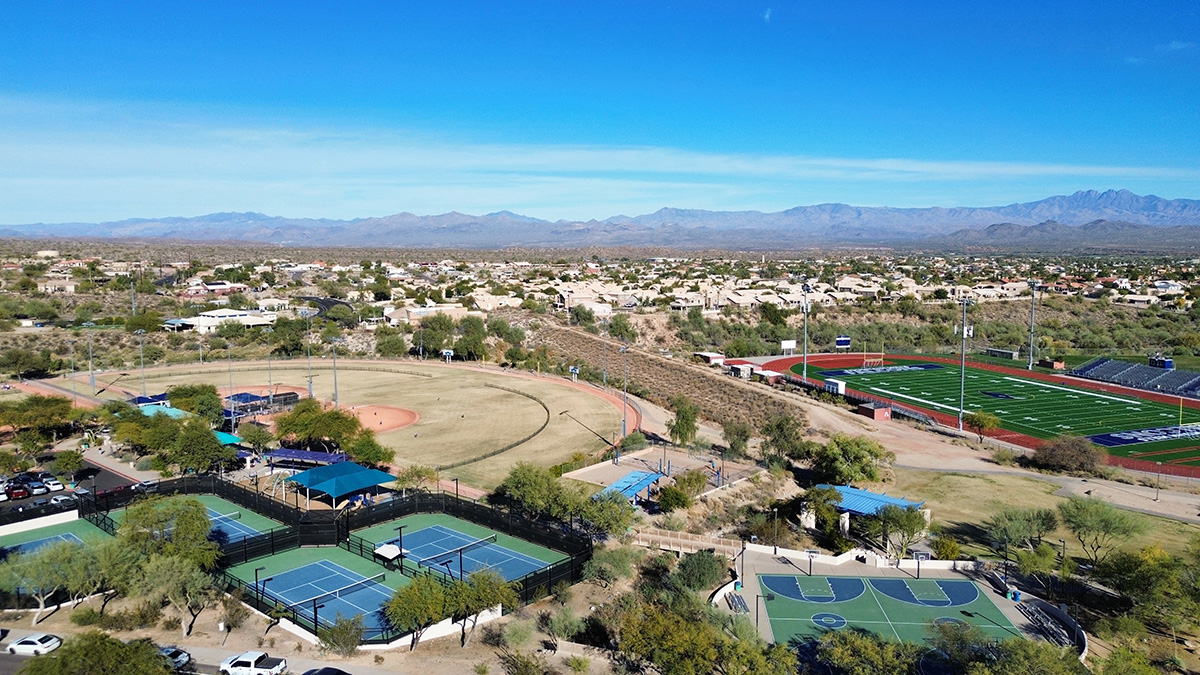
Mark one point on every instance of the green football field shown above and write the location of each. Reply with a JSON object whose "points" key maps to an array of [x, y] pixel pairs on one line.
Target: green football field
{"points": [[802, 607], [1126, 425]]}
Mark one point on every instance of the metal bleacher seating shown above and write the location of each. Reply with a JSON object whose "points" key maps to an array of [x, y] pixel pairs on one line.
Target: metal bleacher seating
{"points": [[1052, 629], [737, 603], [1137, 376]]}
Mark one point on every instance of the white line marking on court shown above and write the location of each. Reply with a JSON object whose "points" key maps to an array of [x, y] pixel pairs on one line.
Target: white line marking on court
{"points": [[912, 398], [867, 583], [1076, 391]]}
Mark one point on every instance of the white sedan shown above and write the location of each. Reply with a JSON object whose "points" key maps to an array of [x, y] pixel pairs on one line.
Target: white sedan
{"points": [[33, 645], [53, 484]]}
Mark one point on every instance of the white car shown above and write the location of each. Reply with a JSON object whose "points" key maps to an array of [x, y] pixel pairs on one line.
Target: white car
{"points": [[62, 499], [54, 485], [33, 645], [176, 656]]}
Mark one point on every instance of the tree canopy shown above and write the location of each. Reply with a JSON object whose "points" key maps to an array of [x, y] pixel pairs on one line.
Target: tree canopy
{"points": [[171, 526], [95, 652]]}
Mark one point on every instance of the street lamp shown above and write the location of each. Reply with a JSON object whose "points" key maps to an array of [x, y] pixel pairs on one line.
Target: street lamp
{"points": [[456, 488], [962, 376], [766, 597], [262, 590], [142, 355], [805, 289], [91, 371]]}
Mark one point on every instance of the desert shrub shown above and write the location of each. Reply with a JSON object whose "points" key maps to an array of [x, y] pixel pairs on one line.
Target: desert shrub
{"points": [[701, 570], [1069, 453], [577, 664], [1004, 456], [86, 616], [671, 498], [946, 548]]}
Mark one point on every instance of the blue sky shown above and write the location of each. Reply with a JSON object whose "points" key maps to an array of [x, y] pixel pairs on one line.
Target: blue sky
{"points": [[580, 110]]}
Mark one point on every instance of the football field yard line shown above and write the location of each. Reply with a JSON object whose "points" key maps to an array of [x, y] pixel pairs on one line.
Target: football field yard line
{"points": [[1073, 391]]}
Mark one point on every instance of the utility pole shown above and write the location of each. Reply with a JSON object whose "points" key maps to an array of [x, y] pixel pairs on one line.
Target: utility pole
{"points": [[308, 347], [625, 394], [132, 299], [142, 355], [74, 395], [91, 371]]}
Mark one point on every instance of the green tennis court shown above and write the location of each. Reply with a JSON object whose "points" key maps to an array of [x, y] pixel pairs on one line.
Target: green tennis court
{"points": [[803, 607], [390, 532], [1125, 425]]}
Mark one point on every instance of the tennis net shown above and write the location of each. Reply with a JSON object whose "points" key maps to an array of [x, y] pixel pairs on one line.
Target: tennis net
{"points": [[437, 559], [349, 588], [225, 517]]}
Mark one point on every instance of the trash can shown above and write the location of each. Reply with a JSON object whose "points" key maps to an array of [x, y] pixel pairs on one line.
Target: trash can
{"points": [[737, 585], [1016, 596], [1008, 595]]}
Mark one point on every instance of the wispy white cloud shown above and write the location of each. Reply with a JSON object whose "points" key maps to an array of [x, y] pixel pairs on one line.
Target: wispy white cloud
{"points": [[145, 167], [1174, 46], [766, 16]]}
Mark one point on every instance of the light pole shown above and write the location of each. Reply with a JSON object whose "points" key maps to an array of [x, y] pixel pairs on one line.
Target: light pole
{"points": [[604, 372], [334, 343], [257, 588], [270, 384], [91, 371], [1157, 481], [765, 597], [142, 355], [625, 393], [74, 395], [232, 401], [400, 544], [962, 375], [775, 511], [456, 488], [316, 622], [805, 289], [308, 347], [200, 348], [262, 591], [1032, 313]]}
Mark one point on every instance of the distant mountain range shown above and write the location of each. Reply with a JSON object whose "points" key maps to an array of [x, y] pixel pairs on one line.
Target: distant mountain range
{"points": [[1086, 219]]}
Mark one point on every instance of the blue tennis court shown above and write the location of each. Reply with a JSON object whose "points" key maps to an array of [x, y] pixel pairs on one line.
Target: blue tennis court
{"points": [[37, 544], [456, 554], [330, 590], [226, 528]]}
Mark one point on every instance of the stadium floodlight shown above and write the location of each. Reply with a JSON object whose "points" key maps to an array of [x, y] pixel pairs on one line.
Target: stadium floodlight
{"points": [[805, 289], [142, 355], [1032, 316], [962, 375]]}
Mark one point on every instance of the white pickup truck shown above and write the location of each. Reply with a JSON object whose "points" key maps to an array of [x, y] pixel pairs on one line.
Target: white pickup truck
{"points": [[253, 663]]}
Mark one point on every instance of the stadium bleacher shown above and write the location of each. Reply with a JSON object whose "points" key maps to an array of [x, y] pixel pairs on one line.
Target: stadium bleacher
{"points": [[1137, 376]]}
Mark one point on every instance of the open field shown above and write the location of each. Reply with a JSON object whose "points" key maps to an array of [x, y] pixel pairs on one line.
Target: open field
{"points": [[463, 413], [962, 502]]}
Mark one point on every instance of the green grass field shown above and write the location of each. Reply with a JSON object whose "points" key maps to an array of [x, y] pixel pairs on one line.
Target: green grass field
{"points": [[805, 607], [1030, 407]]}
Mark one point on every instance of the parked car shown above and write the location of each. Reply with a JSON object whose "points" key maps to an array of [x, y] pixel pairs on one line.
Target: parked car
{"points": [[60, 500], [40, 502], [252, 663], [176, 656], [15, 491], [326, 671], [33, 645], [54, 485], [82, 491], [3, 494], [37, 488]]}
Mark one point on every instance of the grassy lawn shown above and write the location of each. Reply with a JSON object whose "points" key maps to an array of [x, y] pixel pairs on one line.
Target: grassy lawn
{"points": [[963, 502]]}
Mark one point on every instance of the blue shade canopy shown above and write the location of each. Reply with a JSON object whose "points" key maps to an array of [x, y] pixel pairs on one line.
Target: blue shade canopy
{"points": [[306, 456], [227, 439], [632, 483], [343, 478], [867, 503], [173, 413], [246, 398]]}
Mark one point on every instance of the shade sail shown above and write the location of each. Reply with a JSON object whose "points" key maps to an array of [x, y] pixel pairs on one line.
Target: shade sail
{"points": [[867, 503], [306, 456], [343, 478]]}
